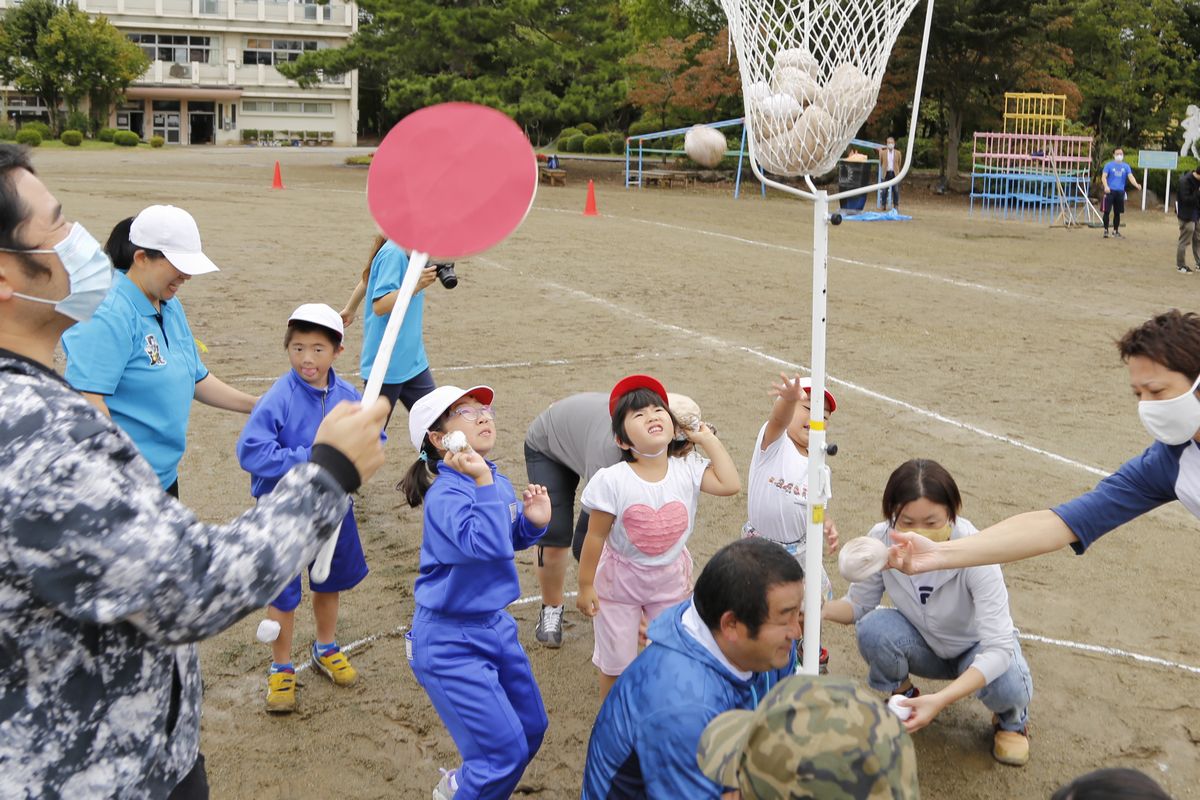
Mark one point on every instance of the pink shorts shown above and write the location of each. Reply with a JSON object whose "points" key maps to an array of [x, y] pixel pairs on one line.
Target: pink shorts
{"points": [[627, 591]]}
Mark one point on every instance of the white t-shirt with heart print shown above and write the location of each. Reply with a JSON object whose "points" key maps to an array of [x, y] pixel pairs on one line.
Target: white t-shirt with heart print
{"points": [[653, 520]]}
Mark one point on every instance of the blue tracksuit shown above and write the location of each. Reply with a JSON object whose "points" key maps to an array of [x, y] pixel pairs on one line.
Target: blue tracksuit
{"points": [[465, 650], [279, 435], [644, 742]]}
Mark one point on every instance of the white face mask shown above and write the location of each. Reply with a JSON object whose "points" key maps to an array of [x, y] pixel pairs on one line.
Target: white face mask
{"points": [[1119, 157], [90, 272], [891, 146], [1172, 421]]}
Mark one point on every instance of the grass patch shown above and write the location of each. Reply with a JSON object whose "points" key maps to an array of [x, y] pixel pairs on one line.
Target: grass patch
{"points": [[88, 144], [360, 161]]}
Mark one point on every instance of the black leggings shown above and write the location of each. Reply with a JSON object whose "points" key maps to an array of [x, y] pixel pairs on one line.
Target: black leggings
{"points": [[408, 392], [1114, 202]]}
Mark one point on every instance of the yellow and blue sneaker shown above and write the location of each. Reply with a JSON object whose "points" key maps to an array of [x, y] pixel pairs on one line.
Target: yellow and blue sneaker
{"points": [[281, 690], [330, 661]]}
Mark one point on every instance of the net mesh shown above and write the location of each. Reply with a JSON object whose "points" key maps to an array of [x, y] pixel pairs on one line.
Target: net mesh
{"points": [[811, 72]]}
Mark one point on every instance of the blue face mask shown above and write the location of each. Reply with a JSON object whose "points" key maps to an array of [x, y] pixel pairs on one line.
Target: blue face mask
{"points": [[89, 269]]}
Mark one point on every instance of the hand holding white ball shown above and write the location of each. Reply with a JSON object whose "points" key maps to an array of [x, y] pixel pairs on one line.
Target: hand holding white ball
{"points": [[455, 442], [861, 558], [903, 712]]}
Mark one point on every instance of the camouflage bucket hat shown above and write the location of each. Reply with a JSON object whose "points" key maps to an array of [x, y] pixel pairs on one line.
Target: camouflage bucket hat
{"points": [[813, 736]]}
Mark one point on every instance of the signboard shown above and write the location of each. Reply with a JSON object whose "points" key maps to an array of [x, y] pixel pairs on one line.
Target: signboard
{"points": [[1158, 159]]}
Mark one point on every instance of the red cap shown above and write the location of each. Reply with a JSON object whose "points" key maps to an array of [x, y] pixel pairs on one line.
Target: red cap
{"points": [[631, 382], [830, 403]]}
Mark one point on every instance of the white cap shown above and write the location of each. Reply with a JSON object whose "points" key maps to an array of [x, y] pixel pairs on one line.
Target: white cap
{"points": [[319, 314], [426, 411], [173, 232]]}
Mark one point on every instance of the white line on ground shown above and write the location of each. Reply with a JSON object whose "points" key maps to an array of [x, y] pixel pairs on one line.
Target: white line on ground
{"points": [[1031, 637], [721, 345]]}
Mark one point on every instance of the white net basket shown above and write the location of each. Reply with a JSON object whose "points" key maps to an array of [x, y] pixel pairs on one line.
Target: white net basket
{"points": [[811, 72]]}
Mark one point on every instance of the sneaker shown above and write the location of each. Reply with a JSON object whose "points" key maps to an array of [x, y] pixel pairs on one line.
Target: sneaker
{"points": [[334, 665], [823, 662], [549, 627], [910, 692], [1106, 233], [448, 786], [1117, 235], [1185, 269], [281, 692], [1011, 747]]}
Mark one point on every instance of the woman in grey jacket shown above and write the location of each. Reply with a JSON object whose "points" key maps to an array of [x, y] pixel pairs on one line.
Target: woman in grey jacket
{"points": [[951, 624]]}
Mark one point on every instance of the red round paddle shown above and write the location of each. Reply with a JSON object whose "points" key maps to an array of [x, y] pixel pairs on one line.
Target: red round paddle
{"points": [[450, 180]]}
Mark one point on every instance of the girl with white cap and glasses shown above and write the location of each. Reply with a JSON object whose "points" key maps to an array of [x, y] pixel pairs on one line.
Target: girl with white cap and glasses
{"points": [[136, 359]]}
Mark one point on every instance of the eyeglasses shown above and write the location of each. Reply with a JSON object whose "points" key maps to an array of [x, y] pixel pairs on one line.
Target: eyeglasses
{"points": [[471, 413]]}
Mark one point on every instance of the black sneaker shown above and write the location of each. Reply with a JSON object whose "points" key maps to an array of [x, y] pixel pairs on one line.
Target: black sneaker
{"points": [[549, 627], [1184, 269]]}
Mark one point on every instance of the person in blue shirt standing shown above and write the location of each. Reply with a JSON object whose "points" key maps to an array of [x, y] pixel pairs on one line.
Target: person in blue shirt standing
{"points": [[1114, 177], [278, 436], [136, 359], [463, 645], [408, 378]]}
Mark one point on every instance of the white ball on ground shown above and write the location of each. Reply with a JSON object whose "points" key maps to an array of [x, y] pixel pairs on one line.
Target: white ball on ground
{"points": [[861, 558], [704, 145], [903, 712], [798, 83], [798, 57], [268, 631], [455, 441]]}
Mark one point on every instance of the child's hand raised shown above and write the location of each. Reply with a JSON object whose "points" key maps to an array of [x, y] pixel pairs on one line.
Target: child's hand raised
{"points": [[831, 535], [537, 505], [789, 390], [471, 464], [699, 436]]}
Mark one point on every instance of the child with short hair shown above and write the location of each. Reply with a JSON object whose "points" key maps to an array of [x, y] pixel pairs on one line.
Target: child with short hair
{"points": [[279, 435], [463, 646], [777, 486], [635, 561]]}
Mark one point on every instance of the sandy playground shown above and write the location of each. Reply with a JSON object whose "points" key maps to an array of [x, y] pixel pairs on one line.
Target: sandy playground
{"points": [[987, 346]]}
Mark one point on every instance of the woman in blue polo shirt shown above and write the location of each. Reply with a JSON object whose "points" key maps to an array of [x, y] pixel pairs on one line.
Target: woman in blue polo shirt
{"points": [[137, 360], [1163, 357], [408, 378]]}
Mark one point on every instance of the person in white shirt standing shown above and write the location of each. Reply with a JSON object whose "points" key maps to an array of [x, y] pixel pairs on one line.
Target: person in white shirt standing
{"points": [[777, 487], [952, 624]]}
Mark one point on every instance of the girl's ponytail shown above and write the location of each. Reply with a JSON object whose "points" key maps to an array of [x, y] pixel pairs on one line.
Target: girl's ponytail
{"points": [[380, 241], [420, 475]]}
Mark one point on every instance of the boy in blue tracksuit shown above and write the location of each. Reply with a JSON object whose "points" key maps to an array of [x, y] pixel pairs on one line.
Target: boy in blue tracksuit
{"points": [[724, 649], [463, 645], [279, 435]]}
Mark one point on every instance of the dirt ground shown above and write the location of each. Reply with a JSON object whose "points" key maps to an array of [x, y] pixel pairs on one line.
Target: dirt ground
{"points": [[987, 346]]}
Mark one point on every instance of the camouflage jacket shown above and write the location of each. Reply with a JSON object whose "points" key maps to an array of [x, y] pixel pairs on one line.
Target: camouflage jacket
{"points": [[105, 584]]}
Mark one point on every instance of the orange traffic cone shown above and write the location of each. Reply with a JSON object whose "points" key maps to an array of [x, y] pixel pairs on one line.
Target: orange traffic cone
{"points": [[589, 209], [277, 183]]}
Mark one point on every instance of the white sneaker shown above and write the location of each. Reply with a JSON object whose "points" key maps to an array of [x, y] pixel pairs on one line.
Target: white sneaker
{"points": [[549, 627], [448, 786]]}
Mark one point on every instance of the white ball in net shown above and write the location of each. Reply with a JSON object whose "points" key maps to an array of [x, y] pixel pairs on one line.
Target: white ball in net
{"points": [[861, 558], [268, 631], [849, 95], [812, 140], [773, 115], [798, 57], [704, 145], [685, 409], [756, 92], [798, 83], [455, 441]]}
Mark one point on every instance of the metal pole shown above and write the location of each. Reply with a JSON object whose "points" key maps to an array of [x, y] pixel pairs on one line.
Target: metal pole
{"points": [[1145, 183], [1166, 194], [817, 489]]}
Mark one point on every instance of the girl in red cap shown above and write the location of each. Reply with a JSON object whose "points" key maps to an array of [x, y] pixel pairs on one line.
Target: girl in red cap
{"points": [[635, 561]]}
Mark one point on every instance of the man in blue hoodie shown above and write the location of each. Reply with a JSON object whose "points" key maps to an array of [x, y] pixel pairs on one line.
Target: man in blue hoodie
{"points": [[722, 650]]}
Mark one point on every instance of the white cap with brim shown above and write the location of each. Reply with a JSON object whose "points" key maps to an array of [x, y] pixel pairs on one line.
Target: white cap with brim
{"points": [[174, 233], [426, 411], [319, 314]]}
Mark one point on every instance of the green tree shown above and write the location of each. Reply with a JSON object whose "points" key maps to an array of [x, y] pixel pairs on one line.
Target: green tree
{"points": [[543, 62], [652, 20], [21, 27]]}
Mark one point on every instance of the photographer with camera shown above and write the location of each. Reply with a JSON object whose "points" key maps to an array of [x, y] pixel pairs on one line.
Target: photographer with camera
{"points": [[408, 378]]}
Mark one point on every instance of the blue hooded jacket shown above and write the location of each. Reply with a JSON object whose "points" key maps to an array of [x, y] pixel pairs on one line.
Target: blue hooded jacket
{"points": [[280, 431], [471, 534], [646, 735]]}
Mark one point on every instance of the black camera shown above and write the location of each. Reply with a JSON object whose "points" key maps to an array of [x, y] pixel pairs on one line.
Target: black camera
{"points": [[445, 274]]}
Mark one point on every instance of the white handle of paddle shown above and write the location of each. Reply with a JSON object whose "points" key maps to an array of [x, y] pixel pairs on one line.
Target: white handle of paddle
{"points": [[416, 264]]}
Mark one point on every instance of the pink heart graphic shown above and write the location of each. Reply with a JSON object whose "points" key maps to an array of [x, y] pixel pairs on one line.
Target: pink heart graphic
{"points": [[654, 532]]}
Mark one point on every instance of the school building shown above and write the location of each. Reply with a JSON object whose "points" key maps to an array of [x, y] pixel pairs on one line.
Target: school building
{"points": [[213, 77]]}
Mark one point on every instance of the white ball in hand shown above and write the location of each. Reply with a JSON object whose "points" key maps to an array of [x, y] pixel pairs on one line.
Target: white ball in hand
{"points": [[268, 631], [903, 712], [861, 558], [455, 441]]}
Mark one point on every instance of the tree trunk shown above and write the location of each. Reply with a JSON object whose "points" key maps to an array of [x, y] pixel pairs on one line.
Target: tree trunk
{"points": [[953, 135]]}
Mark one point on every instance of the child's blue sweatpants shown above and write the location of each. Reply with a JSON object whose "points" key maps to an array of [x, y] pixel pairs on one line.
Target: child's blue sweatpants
{"points": [[478, 677]]}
